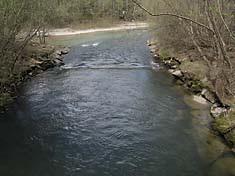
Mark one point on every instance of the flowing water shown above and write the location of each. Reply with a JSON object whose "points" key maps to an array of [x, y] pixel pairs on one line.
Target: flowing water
{"points": [[105, 113]]}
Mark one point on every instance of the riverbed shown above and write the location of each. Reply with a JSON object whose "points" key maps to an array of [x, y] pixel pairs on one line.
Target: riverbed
{"points": [[106, 112]]}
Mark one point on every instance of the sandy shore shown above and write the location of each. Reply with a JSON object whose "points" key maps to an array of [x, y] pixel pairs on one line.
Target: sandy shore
{"points": [[69, 31]]}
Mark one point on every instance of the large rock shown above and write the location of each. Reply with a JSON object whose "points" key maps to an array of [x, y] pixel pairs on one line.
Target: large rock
{"points": [[152, 48], [58, 62], [208, 95], [177, 73], [47, 64], [170, 62], [200, 99], [58, 52], [224, 123], [217, 111], [65, 50]]}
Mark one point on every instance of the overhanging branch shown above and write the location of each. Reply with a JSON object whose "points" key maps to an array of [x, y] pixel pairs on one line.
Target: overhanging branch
{"points": [[173, 15]]}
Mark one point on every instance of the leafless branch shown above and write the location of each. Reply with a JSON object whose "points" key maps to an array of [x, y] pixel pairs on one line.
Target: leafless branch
{"points": [[173, 15], [224, 22]]}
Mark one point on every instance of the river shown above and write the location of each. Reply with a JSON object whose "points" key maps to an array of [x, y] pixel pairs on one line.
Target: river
{"points": [[105, 113]]}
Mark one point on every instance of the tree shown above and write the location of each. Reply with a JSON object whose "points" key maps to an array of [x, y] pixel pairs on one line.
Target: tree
{"points": [[207, 26]]}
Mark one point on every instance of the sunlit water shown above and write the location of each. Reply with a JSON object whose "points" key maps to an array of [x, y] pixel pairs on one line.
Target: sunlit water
{"points": [[105, 113]]}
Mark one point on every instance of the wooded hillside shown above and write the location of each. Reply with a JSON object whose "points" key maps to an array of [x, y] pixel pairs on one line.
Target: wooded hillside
{"points": [[204, 27]]}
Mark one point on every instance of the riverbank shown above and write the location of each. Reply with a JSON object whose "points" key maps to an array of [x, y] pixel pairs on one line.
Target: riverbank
{"points": [[192, 75], [35, 59]]}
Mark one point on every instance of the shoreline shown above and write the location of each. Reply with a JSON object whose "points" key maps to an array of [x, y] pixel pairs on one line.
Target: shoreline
{"points": [[70, 31], [222, 117], [39, 59], [45, 57]]}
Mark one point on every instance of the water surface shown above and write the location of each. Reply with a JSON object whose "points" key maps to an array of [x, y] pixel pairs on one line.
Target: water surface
{"points": [[105, 113]]}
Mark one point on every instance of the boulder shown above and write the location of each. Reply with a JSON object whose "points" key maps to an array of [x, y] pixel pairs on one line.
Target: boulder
{"points": [[224, 124], [47, 64], [177, 73], [58, 52], [156, 56], [59, 57], [65, 51], [200, 99], [208, 95], [217, 111], [58, 62], [174, 66]]}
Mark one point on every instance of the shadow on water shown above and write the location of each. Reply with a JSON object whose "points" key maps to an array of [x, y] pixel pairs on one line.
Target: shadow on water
{"points": [[126, 120]]}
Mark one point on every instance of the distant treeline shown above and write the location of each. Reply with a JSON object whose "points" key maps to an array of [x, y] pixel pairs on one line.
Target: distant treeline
{"points": [[74, 11]]}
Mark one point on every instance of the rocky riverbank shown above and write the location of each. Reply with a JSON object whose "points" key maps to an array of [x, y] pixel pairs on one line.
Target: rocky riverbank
{"points": [[36, 59], [191, 75]]}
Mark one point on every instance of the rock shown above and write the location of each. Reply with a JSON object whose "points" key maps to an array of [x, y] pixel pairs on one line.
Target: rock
{"points": [[216, 111], [200, 99], [177, 60], [171, 71], [152, 48], [149, 43], [65, 51], [224, 123], [156, 56], [58, 62], [47, 64], [59, 57], [177, 73], [208, 95], [58, 52], [193, 84], [170, 62], [174, 67], [39, 71]]}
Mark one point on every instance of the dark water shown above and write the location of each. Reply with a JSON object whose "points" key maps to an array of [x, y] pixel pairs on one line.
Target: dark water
{"points": [[106, 113]]}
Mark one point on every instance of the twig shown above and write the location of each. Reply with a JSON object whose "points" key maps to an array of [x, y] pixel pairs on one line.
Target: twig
{"points": [[224, 22]]}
